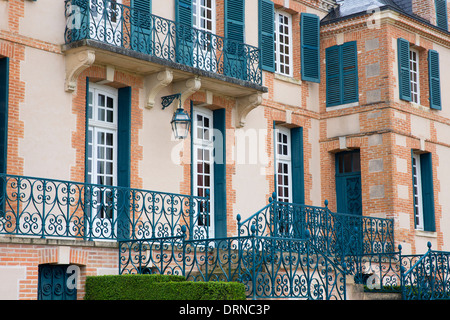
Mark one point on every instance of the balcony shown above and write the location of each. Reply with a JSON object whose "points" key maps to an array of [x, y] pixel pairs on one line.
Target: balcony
{"points": [[57, 209], [147, 44]]}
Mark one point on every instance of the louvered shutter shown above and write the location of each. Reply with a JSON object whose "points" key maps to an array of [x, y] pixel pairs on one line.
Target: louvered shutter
{"points": [[333, 73], [349, 71], [220, 183], [404, 69], [298, 182], [234, 20], [183, 12], [141, 25], [434, 80], [441, 14], [142, 9], [184, 45], [123, 161], [310, 47], [266, 35], [426, 167]]}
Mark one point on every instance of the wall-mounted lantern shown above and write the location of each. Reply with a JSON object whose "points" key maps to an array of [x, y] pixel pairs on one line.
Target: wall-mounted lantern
{"points": [[181, 122]]}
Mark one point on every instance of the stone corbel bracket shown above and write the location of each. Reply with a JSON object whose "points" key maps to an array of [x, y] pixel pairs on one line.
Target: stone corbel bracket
{"points": [[187, 88], [244, 105], [154, 83], [76, 63]]}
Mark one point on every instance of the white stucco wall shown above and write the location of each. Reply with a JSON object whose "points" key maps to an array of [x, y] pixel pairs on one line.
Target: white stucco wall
{"points": [[443, 173], [44, 20], [47, 116], [160, 168], [250, 180]]}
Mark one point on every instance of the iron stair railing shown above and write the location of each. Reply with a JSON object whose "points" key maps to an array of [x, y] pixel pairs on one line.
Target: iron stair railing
{"points": [[427, 276]]}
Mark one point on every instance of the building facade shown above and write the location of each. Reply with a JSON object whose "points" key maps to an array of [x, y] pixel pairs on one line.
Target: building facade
{"points": [[344, 101]]}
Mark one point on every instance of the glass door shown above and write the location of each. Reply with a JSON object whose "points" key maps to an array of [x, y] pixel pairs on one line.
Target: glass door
{"points": [[204, 19], [105, 21], [102, 158], [203, 168]]}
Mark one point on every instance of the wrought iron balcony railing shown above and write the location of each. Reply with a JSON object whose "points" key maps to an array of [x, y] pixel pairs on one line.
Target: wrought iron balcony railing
{"points": [[122, 26], [333, 233], [50, 208], [427, 276], [269, 267]]}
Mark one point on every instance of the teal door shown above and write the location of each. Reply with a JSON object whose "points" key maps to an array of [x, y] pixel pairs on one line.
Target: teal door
{"points": [[348, 227], [348, 183], [54, 282]]}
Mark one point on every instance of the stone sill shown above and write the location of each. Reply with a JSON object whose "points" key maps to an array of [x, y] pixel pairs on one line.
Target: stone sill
{"points": [[57, 242]]}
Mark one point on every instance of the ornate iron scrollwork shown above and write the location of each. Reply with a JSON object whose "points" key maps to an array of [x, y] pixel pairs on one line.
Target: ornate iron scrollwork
{"points": [[167, 100]]}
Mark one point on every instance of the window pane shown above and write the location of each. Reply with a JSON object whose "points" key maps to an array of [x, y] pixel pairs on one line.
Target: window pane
{"points": [[101, 114], [101, 100], [347, 163], [109, 168], [110, 116], [100, 167], [109, 139], [356, 162], [340, 160], [101, 138], [109, 153], [101, 152]]}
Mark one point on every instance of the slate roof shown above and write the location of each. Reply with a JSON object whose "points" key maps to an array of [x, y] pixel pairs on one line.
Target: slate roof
{"points": [[348, 8]]}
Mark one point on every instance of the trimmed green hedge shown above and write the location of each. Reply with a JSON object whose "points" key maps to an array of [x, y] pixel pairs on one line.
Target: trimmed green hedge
{"points": [[159, 287]]}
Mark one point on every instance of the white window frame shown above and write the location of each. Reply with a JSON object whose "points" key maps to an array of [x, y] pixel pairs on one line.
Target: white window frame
{"points": [[200, 143], [204, 53], [95, 126], [417, 191], [414, 75], [199, 10], [283, 158], [279, 65]]}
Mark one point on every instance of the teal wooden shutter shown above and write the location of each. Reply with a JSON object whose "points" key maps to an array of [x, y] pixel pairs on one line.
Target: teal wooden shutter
{"points": [[235, 58], [184, 45], [349, 72], [298, 183], [4, 90], [441, 14], [234, 20], [124, 137], [143, 5], [333, 74], [310, 47], [266, 35], [220, 184], [404, 74], [183, 12], [123, 162], [426, 167], [434, 80], [141, 26]]}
